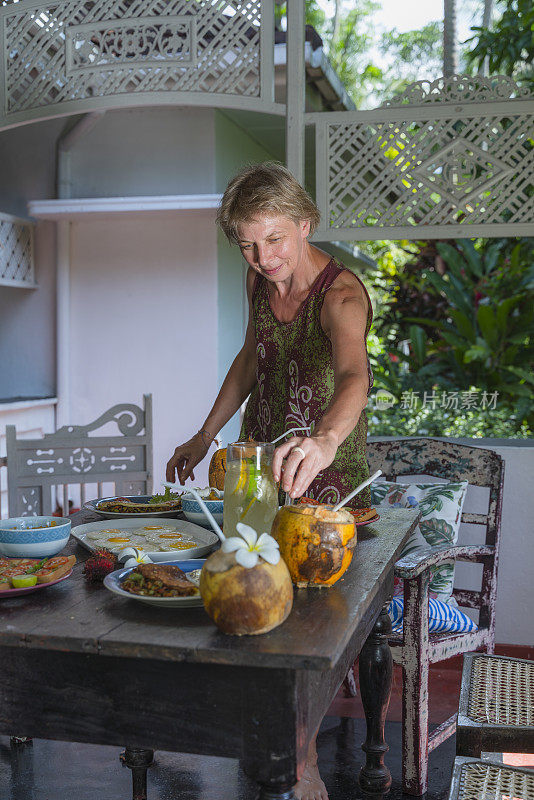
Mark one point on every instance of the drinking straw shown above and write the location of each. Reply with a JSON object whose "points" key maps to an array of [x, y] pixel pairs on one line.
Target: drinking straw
{"points": [[202, 505], [357, 490], [292, 430]]}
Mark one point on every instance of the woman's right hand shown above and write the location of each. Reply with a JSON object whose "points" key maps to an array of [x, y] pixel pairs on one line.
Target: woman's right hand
{"points": [[185, 458]]}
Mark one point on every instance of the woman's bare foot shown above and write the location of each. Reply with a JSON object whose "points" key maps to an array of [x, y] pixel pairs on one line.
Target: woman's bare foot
{"points": [[311, 786]]}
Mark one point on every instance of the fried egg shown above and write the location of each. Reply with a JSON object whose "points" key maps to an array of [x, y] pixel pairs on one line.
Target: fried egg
{"points": [[158, 537], [175, 546], [103, 534], [115, 543]]}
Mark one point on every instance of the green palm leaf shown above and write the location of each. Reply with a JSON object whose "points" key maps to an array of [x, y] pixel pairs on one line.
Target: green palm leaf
{"points": [[437, 532], [442, 578]]}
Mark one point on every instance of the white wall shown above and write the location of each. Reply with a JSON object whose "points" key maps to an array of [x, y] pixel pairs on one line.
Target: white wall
{"points": [[515, 583], [144, 319], [27, 335], [515, 593], [146, 151]]}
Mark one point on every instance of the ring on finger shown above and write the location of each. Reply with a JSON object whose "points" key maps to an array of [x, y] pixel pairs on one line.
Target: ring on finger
{"points": [[299, 450]]}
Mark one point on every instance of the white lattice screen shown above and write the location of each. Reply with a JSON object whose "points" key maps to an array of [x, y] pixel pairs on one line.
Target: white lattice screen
{"points": [[16, 252], [83, 51], [445, 159]]}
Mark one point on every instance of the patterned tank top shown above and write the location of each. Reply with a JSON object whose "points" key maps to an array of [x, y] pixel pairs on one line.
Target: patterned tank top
{"points": [[295, 384]]}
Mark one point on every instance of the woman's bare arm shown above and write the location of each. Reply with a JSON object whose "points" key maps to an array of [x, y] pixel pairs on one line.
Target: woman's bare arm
{"points": [[235, 389]]}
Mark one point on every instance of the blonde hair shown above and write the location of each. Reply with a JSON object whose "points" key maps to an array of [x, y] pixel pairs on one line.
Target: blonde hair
{"points": [[264, 188]]}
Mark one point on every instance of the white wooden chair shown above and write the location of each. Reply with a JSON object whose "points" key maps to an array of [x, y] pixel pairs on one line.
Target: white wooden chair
{"points": [[416, 649], [71, 457]]}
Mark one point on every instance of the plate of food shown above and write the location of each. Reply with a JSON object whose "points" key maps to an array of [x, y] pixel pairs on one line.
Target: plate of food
{"points": [[172, 585], [154, 505], [20, 576], [160, 540], [364, 516]]}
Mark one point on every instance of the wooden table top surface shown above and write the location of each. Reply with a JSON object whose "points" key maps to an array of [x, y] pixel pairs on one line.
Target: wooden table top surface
{"points": [[76, 617]]}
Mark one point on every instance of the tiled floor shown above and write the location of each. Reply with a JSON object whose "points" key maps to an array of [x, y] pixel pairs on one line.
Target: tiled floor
{"points": [[59, 771], [48, 770], [443, 691]]}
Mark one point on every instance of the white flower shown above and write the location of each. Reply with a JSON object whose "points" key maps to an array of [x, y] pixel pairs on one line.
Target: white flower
{"points": [[248, 548], [135, 556]]}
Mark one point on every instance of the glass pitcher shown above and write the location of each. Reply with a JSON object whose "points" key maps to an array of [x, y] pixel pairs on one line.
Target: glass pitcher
{"points": [[250, 493]]}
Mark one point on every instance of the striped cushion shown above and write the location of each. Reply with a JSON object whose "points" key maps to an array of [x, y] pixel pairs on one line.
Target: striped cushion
{"points": [[442, 617]]}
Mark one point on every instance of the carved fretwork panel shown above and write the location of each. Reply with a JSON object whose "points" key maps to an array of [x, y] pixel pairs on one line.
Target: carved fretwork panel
{"points": [[72, 457], [30, 501], [449, 158], [16, 252], [81, 50], [82, 461]]}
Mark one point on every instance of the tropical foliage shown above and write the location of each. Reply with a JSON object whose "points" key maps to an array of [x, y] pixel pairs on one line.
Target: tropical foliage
{"points": [[351, 43], [459, 318], [454, 320], [508, 44]]}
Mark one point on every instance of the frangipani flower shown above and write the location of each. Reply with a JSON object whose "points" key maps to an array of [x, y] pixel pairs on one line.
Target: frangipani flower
{"points": [[134, 557], [248, 548]]}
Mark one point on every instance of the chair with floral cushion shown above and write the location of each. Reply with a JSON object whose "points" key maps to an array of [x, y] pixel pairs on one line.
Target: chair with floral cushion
{"points": [[428, 626]]}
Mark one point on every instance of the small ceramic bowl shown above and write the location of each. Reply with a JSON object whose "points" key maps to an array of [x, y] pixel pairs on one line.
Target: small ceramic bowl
{"points": [[194, 513], [21, 537]]}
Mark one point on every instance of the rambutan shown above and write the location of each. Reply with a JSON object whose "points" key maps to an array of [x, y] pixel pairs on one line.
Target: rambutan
{"points": [[99, 565]]}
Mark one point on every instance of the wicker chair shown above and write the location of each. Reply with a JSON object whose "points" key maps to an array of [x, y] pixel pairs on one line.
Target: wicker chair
{"points": [[416, 649], [473, 779], [496, 711]]}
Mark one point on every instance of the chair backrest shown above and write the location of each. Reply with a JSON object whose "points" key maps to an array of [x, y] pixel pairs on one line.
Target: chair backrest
{"points": [[454, 462], [71, 457]]}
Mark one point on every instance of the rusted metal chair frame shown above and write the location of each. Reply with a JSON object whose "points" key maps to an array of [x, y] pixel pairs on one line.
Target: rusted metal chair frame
{"points": [[475, 737], [415, 650]]}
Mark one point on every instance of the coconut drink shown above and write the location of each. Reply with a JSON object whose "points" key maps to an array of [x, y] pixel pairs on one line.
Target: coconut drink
{"points": [[217, 469], [246, 586], [316, 542]]}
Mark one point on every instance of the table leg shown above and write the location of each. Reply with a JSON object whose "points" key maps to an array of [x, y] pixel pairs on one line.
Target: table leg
{"points": [[376, 673], [138, 761]]}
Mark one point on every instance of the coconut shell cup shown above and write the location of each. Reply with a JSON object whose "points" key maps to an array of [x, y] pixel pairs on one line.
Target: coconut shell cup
{"points": [[245, 601], [316, 542], [217, 469]]}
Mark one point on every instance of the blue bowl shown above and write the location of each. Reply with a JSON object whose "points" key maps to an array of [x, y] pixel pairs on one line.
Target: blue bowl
{"points": [[194, 513], [21, 537]]}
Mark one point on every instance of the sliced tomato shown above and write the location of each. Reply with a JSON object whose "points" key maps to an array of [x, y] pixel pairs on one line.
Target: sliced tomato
{"points": [[56, 562], [9, 573]]}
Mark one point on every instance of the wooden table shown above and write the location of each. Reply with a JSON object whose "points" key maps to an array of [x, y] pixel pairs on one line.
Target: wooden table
{"points": [[80, 664]]}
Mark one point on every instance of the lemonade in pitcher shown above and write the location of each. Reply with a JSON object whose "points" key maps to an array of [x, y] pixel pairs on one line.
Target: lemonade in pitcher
{"points": [[250, 493]]}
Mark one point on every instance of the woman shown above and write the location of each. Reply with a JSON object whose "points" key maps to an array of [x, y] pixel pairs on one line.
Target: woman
{"points": [[304, 360]]}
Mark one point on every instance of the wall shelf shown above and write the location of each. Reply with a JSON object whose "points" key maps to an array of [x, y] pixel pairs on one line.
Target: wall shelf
{"points": [[73, 208]]}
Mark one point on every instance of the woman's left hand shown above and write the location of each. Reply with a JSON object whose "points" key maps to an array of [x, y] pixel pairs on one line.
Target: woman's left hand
{"points": [[298, 462]]}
